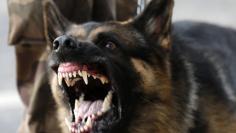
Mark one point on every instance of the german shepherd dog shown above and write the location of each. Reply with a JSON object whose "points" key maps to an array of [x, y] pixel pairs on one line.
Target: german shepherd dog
{"points": [[145, 75]]}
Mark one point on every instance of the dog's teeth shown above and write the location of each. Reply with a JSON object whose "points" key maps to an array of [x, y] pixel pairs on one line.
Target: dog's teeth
{"points": [[81, 98], [106, 81], [63, 75], [86, 128], [85, 78], [68, 82], [107, 102], [94, 77], [74, 74], [73, 81], [99, 113], [70, 75], [103, 79], [67, 75], [93, 117], [81, 129], [80, 73], [77, 102], [89, 122], [76, 109], [59, 76]]}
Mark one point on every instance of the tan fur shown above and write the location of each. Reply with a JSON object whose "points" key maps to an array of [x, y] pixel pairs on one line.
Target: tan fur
{"points": [[61, 110], [219, 116], [150, 74], [77, 31]]}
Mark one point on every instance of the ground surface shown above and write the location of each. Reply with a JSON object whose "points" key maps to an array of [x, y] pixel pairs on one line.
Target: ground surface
{"points": [[11, 109]]}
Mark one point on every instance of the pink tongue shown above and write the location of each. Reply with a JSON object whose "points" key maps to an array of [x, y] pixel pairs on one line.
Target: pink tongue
{"points": [[69, 67], [88, 108]]}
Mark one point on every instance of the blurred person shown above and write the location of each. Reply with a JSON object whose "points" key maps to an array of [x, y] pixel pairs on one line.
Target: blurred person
{"points": [[26, 34]]}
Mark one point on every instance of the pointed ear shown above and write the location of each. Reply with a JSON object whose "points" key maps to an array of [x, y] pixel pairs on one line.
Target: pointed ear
{"points": [[155, 22], [54, 22]]}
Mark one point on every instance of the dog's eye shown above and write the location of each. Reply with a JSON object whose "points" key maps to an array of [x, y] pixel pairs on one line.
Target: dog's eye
{"points": [[110, 45]]}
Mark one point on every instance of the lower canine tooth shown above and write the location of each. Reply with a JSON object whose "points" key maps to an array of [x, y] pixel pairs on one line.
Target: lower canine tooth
{"points": [[67, 82], [107, 102], [77, 102], [93, 116], [73, 81], [86, 128], [89, 122]]}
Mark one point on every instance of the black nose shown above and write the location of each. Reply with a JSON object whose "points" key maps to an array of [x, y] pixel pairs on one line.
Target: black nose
{"points": [[64, 41]]}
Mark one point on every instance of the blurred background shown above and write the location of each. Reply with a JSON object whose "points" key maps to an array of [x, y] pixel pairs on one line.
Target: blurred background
{"points": [[220, 12]]}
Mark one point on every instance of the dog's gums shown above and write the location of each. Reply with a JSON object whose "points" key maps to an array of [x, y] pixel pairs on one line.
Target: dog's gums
{"points": [[72, 72], [90, 94]]}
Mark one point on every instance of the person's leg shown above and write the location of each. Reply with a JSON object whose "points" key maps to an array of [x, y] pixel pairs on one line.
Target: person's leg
{"points": [[27, 57], [41, 116], [27, 35]]}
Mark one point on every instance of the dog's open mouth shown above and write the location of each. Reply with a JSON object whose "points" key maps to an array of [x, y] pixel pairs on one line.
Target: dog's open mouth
{"points": [[91, 95]]}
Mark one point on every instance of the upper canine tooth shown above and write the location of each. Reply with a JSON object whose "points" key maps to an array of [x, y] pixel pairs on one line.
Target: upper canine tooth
{"points": [[85, 78], [76, 103], [59, 78]]}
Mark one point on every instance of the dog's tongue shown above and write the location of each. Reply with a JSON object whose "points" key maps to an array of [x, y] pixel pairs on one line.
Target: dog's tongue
{"points": [[87, 108]]}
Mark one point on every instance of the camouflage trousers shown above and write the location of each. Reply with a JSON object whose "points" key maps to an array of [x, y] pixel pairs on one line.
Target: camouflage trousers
{"points": [[27, 35]]}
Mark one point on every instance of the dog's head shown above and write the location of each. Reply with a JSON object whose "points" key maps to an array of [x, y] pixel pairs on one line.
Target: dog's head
{"points": [[108, 72]]}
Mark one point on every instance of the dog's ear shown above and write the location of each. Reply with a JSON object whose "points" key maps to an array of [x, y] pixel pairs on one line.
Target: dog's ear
{"points": [[155, 22], [54, 22]]}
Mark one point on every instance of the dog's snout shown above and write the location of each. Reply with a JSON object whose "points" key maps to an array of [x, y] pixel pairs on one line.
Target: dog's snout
{"points": [[64, 41]]}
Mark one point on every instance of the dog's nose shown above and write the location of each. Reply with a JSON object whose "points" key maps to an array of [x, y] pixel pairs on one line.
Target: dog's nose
{"points": [[64, 41]]}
